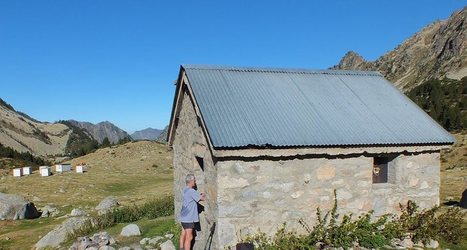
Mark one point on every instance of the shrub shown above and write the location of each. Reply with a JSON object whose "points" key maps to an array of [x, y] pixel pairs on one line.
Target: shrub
{"points": [[366, 232]]}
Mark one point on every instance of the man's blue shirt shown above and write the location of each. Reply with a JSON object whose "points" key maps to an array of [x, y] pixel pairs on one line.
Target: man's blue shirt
{"points": [[189, 211]]}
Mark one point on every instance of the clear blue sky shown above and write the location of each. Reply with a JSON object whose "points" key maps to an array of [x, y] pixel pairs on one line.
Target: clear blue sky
{"points": [[117, 60]]}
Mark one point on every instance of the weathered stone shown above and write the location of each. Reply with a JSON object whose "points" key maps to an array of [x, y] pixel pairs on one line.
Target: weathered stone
{"points": [[78, 212], [103, 238], [297, 194], [14, 207], [144, 241], [407, 243], [326, 172], [106, 248], [167, 245], [106, 205], [155, 240], [58, 235], [229, 182], [130, 230], [124, 248], [169, 236], [433, 244]]}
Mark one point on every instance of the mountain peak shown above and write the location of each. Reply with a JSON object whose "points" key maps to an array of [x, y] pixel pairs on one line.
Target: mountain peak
{"points": [[101, 130], [436, 51], [351, 60]]}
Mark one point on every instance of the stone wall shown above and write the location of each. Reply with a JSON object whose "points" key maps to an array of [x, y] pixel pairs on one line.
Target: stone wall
{"points": [[263, 194], [189, 143]]}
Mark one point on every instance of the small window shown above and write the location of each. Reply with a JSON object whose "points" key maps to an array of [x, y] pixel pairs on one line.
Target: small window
{"points": [[380, 169], [200, 162]]}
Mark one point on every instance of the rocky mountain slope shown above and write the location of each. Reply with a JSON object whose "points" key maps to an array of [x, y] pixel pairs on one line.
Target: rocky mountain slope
{"points": [[146, 134], [437, 51], [163, 135], [101, 130], [28, 135]]}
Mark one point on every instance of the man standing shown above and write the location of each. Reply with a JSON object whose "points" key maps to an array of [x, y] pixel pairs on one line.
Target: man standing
{"points": [[189, 214]]}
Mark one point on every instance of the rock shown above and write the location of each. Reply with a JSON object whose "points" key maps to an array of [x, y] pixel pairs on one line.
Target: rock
{"points": [[169, 236], [155, 240], [78, 212], [326, 172], [124, 248], [106, 205], [136, 247], [463, 202], [104, 238], [433, 244], [45, 214], [14, 207], [58, 235], [144, 241], [49, 211], [407, 243], [167, 245], [130, 230], [83, 243], [106, 248]]}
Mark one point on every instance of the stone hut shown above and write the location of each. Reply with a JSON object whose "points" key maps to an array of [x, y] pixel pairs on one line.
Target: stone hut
{"points": [[269, 146]]}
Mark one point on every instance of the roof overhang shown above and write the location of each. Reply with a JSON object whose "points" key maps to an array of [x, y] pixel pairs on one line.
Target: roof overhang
{"points": [[183, 84]]}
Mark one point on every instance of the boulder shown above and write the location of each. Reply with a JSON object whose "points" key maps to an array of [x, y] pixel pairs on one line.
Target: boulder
{"points": [[78, 212], [433, 244], [155, 240], [106, 248], [167, 245], [130, 230], [97, 241], [144, 241], [83, 243], [103, 239], [58, 235], [106, 205], [463, 202], [15, 207], [124, 248], [49, 211]]}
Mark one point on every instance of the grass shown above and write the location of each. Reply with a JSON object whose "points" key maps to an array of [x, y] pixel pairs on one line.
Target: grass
{"points": [[150, 228], [24, 232], [120, 174]]}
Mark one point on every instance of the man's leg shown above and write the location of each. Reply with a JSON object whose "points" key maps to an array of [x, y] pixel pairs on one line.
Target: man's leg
{"points": [[188, 238], [182, 238]]}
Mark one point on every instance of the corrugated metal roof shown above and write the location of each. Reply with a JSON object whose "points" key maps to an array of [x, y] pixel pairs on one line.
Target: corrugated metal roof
{"points": [[244, 107]]}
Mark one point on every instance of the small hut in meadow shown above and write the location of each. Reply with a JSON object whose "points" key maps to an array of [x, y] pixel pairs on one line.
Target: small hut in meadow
{"points": [[269, 146]]}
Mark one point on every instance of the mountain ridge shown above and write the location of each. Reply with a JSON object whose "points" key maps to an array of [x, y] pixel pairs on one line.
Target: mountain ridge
{"points": [[101, 130], [146, 134], [434, 52]]}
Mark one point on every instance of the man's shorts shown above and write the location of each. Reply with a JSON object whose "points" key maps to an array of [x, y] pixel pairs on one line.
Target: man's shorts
{"points": [[188, 225]]}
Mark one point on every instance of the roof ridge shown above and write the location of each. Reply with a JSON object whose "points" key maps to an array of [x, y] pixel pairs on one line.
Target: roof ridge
{"points": [[280, 70]]}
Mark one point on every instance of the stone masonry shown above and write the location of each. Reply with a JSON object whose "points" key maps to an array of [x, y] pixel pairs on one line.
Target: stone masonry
{"points": [[190, 143], [245, 194]]}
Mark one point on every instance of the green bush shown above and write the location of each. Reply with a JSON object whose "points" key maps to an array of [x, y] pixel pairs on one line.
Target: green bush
{"points": [[366, 232]]}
